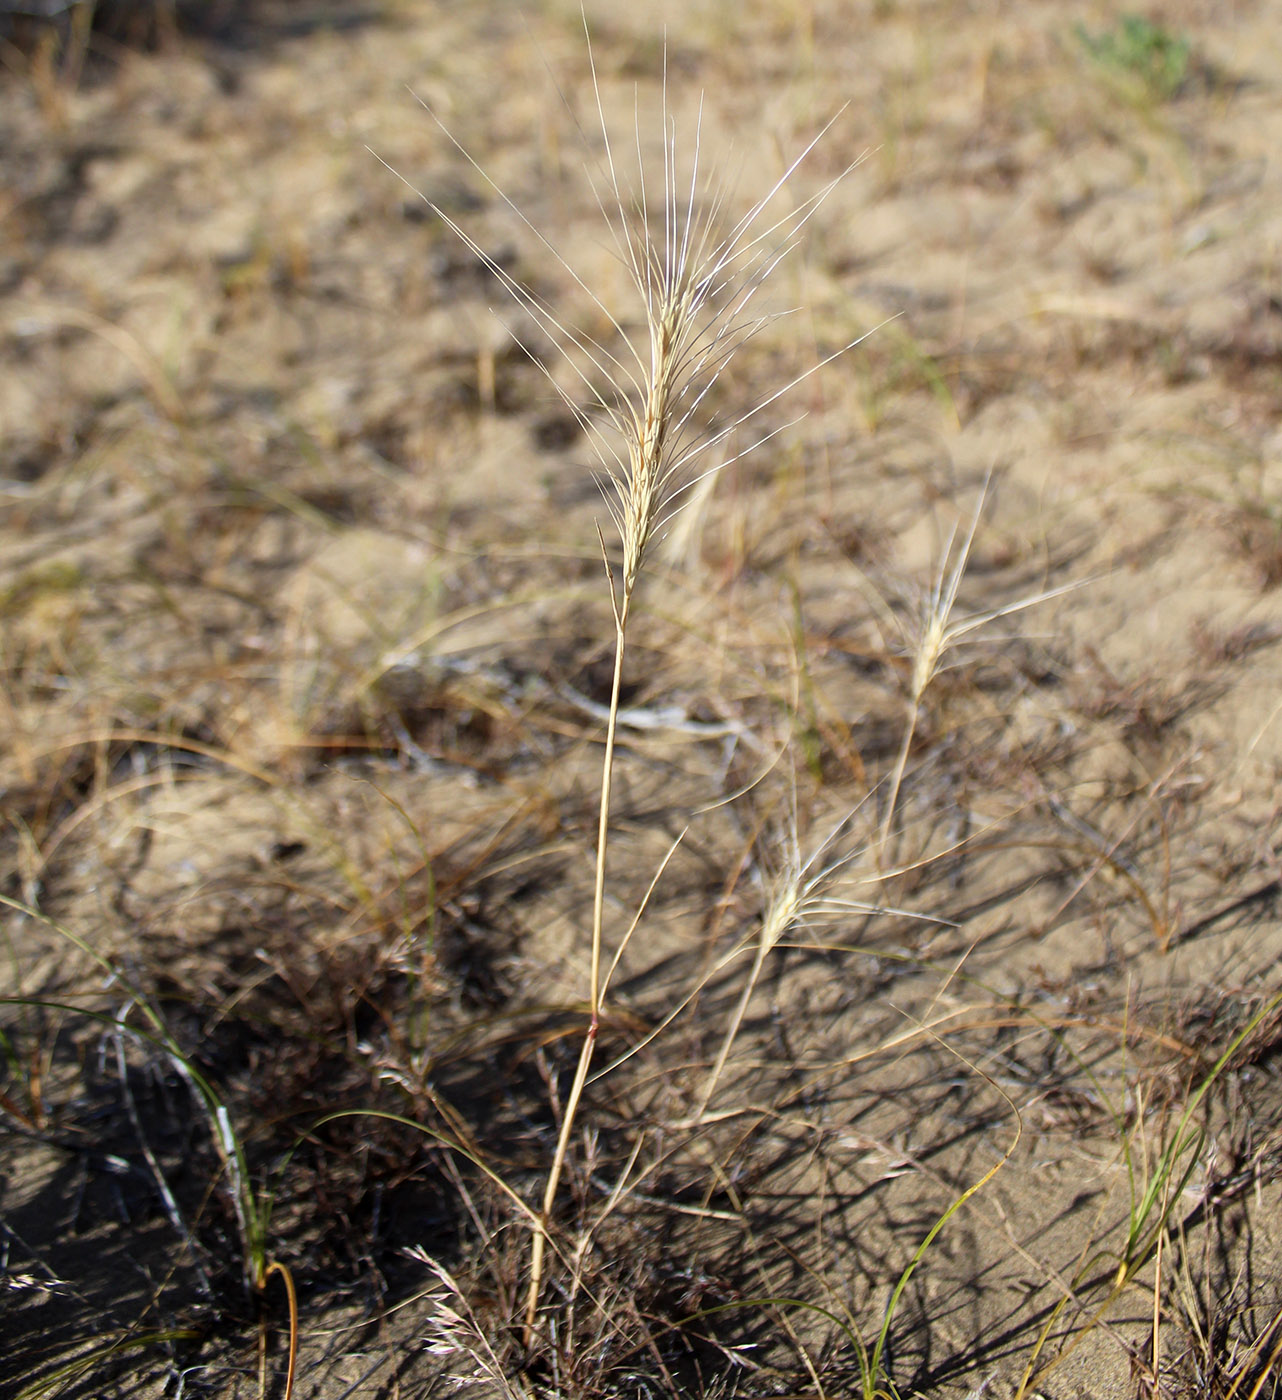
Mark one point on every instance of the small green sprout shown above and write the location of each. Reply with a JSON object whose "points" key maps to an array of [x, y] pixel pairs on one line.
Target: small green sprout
{"points": [[1142, 54]]}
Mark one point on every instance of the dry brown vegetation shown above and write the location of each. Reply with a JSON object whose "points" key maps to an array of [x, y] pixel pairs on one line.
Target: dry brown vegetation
{"points": [[950, 718]]}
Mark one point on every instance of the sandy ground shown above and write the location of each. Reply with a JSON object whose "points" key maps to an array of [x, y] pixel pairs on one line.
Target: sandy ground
{"points": [[305, 638]]}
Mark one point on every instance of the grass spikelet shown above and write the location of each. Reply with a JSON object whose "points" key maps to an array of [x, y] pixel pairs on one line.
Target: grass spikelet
{"points": [[936, 632], [805, 891]]}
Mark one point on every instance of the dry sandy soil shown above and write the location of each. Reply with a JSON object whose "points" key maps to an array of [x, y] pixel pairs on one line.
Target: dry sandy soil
{"points": [[306, 637]]}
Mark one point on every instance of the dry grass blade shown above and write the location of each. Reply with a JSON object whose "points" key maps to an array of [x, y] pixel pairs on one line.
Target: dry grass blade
{"points": [[70, 1372], [275, 1267]]}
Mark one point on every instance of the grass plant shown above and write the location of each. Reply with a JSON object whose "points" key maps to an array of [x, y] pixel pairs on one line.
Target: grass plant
{"points": [[1141, 53], [252, 1206], [933, 633], [1156, 1185], [804, 891], [696, 274], [1231, 1348]]}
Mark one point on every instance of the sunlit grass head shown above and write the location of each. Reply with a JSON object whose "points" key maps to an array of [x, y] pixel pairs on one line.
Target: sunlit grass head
{"points": [[696, 271]]}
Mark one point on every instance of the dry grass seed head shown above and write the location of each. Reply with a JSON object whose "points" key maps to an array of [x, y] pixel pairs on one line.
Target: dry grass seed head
{"points": [[697, 280], [936, 631]]}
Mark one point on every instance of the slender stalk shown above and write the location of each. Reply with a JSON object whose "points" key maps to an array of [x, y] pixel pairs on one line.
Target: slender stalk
{"points": [[538, 1248], [275, 1267], [785, 908], [603, 823], [897, 777], [764, 946]]}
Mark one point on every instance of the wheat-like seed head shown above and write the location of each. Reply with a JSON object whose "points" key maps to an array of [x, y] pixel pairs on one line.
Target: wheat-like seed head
{"points": [[938, 629], [697, 276], [695, 279]]}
